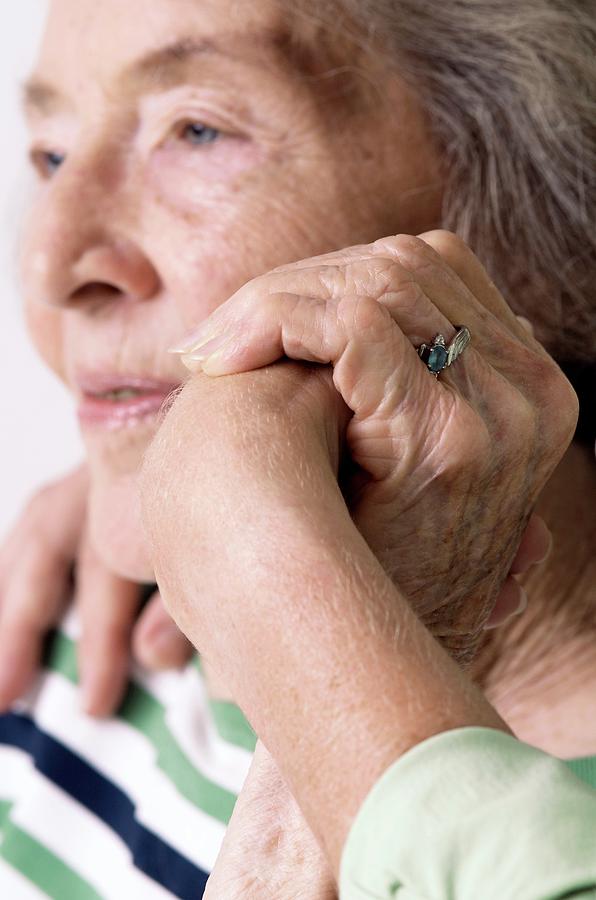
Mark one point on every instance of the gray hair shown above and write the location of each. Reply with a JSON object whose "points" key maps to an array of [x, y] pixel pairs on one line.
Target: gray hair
{"points": [[510, 89]]}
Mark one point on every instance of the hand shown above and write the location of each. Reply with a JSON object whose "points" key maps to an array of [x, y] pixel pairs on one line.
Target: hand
{"points": [[36, 584], [464, 456], [261, 565], [269, 852], [244, 514]]}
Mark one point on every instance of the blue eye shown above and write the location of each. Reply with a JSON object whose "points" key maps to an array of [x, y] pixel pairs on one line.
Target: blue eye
{"points": [[197, 133], [53, 161], [47, 162]]}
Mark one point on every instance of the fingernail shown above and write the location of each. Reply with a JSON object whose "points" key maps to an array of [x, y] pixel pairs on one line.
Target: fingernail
{"points": [[163, 646], [523, 602], [548, 549], [204, 351], [198, 339], [526, 324]]}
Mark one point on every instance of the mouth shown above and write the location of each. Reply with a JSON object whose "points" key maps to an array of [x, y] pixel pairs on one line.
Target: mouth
{"points": [[115, 401]]}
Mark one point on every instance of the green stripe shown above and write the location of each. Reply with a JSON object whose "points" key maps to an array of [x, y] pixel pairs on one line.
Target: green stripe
{"points": [[147, 715], [584, 768], [232, 725], [45, 870], [5, 808]]}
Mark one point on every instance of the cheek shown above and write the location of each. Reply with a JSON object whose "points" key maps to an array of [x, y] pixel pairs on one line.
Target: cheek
{"points": [[205, 175], [44, 325]]}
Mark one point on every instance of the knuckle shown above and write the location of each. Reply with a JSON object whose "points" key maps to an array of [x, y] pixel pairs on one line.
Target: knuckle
{"points": [[399, 244], [517, 421], [446, 243], [364, 317], [414, 256], [555, 402]]}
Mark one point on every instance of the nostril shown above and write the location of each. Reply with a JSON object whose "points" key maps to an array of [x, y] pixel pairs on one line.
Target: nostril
{"points": [[96, 290]]}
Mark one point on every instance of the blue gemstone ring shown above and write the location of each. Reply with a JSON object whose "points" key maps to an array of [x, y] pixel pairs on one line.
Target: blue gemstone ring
{"points": [[437, 356]]}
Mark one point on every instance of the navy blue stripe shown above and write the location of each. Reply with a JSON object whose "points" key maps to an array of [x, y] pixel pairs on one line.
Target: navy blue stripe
{"points": [[87, 786]]}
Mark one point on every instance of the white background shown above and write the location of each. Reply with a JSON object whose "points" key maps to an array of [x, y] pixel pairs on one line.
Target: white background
{"points": [[38, 434]]}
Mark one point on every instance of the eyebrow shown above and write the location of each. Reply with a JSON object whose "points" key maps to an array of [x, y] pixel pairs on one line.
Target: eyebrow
{"points": [[41, 97], [165, 66]]}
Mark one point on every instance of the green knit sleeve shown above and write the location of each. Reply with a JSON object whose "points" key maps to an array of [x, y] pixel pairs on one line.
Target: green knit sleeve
{"points": [[473, 814]]}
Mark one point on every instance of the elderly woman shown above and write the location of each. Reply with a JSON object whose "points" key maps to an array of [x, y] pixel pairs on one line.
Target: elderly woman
{"points": [[313, 536]]}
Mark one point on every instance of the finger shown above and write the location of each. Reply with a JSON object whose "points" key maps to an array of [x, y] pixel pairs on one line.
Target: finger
{"points": [[525, 323], [535, 546], [157, 642], [461, 259], [349, 275], [376, 370], [32, 600], [356, 333], [512, 601], [496, 331], [107, 606]]}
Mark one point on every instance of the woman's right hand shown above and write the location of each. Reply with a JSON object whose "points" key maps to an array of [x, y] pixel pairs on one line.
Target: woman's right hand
{"points": [[36, 584]]}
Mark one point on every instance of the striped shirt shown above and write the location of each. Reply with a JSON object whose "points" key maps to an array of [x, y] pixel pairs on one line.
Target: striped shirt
{"points": [[130, 807], [134, 806]]}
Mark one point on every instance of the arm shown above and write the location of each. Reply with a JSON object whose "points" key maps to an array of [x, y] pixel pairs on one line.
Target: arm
{"points": [[472, 450], [336, 686], [343, 678]]}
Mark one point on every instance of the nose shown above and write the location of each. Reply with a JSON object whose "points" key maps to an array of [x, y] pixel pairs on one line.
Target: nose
{"points": [[80, 245]]}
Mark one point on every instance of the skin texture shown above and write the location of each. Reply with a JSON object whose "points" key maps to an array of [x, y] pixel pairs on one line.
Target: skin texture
{"points": [[268, 491], [139, 214], [139, 234], [340, 308]]}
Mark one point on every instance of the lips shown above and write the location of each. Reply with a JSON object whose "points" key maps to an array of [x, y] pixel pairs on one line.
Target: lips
{"points": [[120, 401]]}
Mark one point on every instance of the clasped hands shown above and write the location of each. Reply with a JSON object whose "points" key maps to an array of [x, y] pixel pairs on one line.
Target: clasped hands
{"points": [[304, 580], [438, 477]]}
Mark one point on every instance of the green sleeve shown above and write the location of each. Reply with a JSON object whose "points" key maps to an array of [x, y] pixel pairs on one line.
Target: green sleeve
{"points": [[473, 814]]}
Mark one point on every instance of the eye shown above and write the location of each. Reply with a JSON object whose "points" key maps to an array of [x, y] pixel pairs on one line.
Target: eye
{"points": [[197, 133], [47, 162]]}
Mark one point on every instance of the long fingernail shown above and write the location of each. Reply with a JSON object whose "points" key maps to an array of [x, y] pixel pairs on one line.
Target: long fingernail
{"points": [[202, 351], [197, 339]]}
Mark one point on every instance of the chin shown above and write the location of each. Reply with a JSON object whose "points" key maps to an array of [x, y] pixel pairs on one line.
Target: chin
{"points": [[115, 527]]}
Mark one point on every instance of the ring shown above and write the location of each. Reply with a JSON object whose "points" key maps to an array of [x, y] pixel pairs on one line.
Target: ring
{"points": [[437, 356]]}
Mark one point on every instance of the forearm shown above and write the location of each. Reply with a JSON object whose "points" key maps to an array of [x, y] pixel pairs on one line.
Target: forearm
{"points": [[342, 680]]}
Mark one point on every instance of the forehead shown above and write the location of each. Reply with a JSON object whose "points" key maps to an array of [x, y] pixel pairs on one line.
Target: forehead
{"points": [[86, 42], [113, 30]]}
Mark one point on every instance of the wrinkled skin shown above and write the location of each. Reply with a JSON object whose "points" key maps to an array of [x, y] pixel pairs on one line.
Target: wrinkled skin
{"points": [[139, 233], [449, 469], [136, 233], [138, 229], [267, 824], [274, 447]]}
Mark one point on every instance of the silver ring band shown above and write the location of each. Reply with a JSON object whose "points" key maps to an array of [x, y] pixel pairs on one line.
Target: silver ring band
{"points": [[437, 356]]}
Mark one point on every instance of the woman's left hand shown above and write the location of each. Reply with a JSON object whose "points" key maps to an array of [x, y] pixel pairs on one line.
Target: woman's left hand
{"points": [[466, 454]]}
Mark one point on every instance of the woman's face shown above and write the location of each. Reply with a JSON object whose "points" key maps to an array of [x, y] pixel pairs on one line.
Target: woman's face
{"points": [[183, 147]]}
